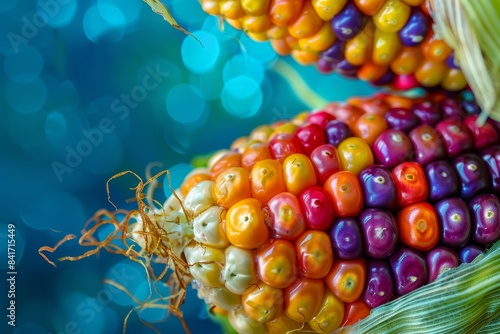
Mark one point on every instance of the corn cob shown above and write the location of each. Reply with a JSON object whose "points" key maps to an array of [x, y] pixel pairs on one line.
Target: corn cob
{"points": [[308, 224], [384, 42]]}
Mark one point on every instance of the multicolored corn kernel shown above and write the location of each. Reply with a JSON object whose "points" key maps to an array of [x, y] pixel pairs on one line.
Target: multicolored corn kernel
{"points": [[239, 273], [388, 42], [442, 179], [370, 126], [317, 208], [346, 239], [303, 299], [277, 263], [330, 314], [409, 268], [346, 279], [245, 224], [205, 264], [378, 187], [472, 175], [491, 156], [380, 233], [345, 192], [355, 154], [266, 180], [401, 119], [455, 222], [418, 226], [379, 283], [411, 184], [208, 227], [326, 161], [303, 225], [262, 302], [298, 173], [457, 138], [428, 144], [391, 148], [485, 209], [285, 218], [439, 259]]}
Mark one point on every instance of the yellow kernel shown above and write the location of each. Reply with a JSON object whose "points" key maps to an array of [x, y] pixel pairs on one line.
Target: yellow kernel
{"points": [[430, 73], [231, 9], [281, 47], [284, 12], [406, 61], [386, 46], [258, 36], [210, 7], [256, 24], [392, 16], [306, 24], [304, 57], [277, 32], [454, 80], [236, 24], [320, 41], [327, 9], [255, 7], [358, 49]]}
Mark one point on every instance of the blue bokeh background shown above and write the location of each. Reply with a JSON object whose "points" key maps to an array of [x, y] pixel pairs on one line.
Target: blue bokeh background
{"points": [[92, 88]]}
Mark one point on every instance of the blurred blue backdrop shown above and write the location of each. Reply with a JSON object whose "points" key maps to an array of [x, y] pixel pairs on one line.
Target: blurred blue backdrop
{"points": [[92, 88]]}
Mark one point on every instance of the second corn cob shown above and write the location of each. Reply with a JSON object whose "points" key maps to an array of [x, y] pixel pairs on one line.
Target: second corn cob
{"points": [[384, 42]]}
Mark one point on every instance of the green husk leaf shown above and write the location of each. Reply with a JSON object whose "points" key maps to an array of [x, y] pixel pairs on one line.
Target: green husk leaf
{"points": [[471, 28], [159, 8], [465, 299]]}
